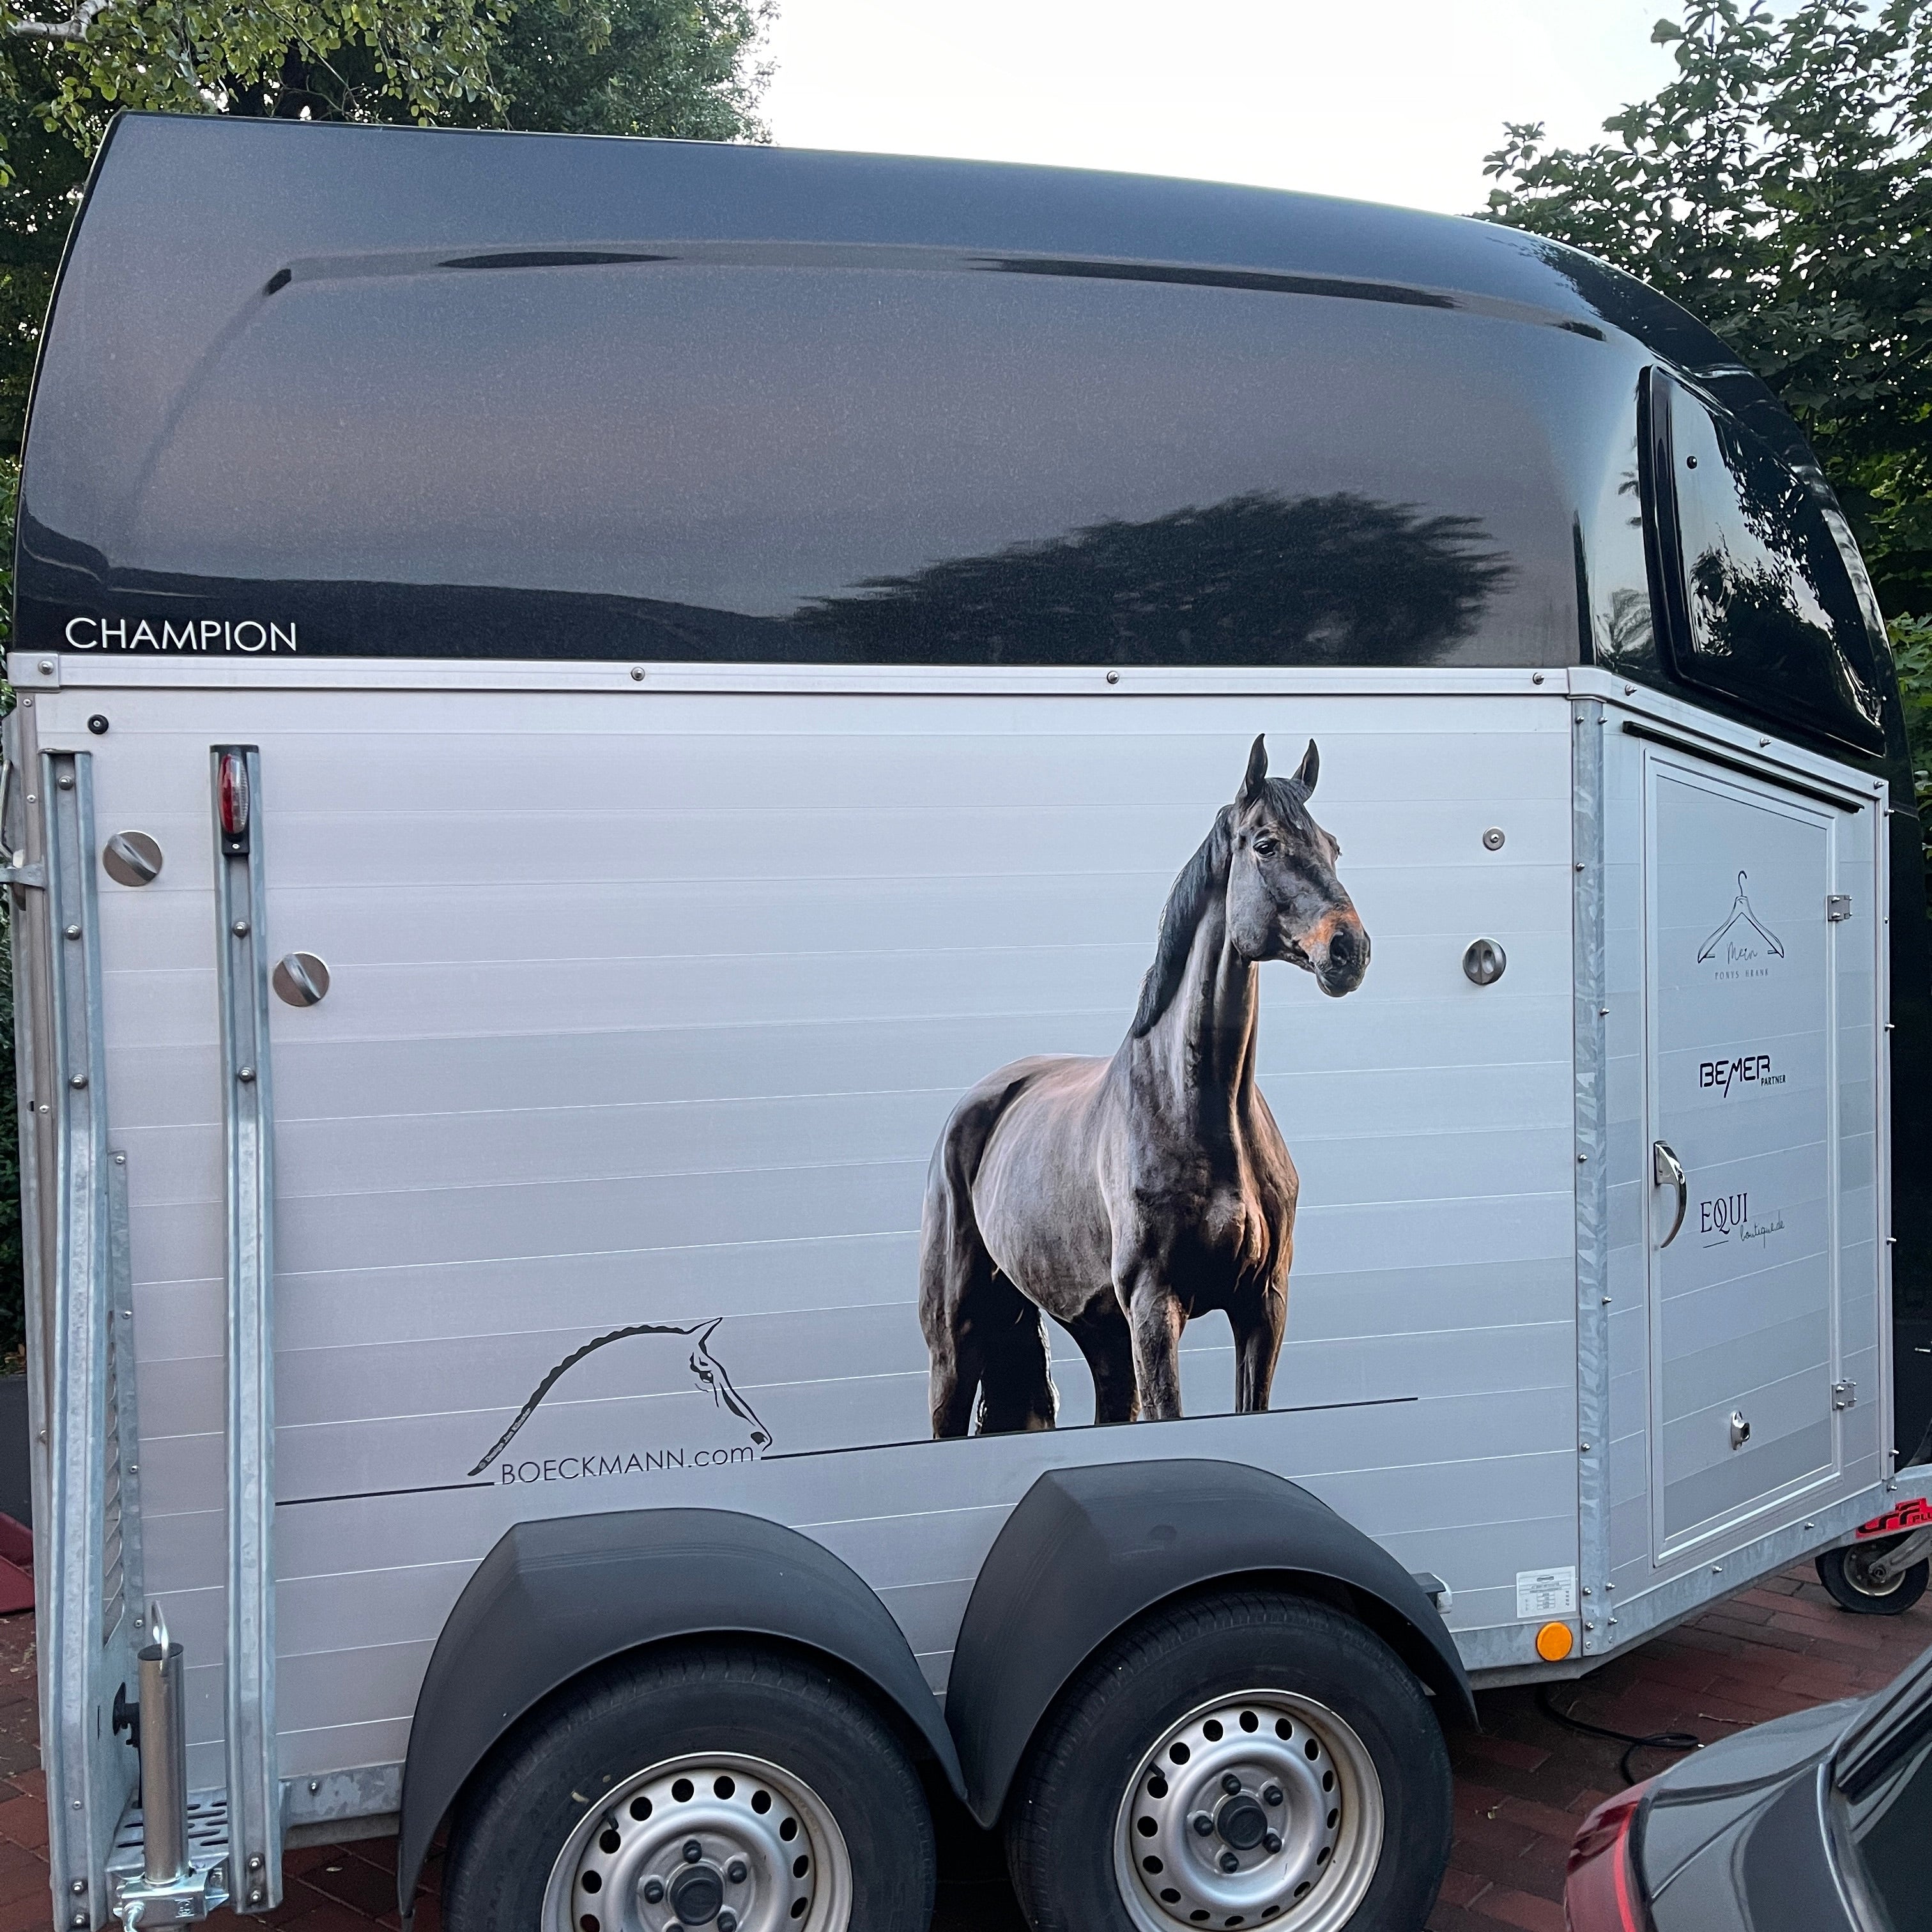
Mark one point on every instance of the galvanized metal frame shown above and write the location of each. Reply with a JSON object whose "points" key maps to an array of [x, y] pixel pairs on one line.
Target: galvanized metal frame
{"points": [[85, 1633], [254, 1784], [1593, 1175]]}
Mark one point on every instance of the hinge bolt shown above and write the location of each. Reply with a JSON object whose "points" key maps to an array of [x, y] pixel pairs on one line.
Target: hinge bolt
{"points": [[240, 928], [78, 1080], [74, 932], [244, 1074]]}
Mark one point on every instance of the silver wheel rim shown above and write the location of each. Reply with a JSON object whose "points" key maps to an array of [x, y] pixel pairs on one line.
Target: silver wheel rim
{"points": [[1855, 1570], [1262, 1808], [708, 1842]]}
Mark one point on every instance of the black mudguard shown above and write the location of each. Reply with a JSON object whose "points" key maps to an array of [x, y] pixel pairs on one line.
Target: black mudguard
{"points": [[554, 1598], [1090, 1550]]}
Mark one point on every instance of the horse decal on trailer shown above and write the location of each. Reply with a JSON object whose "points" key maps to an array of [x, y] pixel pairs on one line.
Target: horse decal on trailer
{"points": [[1123, 1197]]}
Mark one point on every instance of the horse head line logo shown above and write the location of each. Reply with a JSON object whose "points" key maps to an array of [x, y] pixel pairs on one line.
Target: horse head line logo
{"points": [[709, 1372]]}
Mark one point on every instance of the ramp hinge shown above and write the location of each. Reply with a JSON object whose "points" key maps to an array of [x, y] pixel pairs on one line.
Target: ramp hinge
{"points": [[1844, 1395], [26, 877], [1837, 907]]}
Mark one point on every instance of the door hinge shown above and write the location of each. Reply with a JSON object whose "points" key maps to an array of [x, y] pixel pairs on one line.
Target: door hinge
{"points": [[1844, 1395], [1837, 907]]}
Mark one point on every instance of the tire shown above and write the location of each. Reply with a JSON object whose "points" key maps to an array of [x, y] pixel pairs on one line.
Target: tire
{"points": [[805, 1811], [1297, 1703], [1841, 1572]]}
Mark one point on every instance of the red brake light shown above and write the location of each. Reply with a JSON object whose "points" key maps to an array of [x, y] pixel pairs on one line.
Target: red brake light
{"points": [[1600, 1892], [234, 795]]}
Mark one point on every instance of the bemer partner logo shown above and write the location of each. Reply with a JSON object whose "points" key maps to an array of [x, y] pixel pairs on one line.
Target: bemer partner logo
{"points": [[203, 634], [1747, 1070]]}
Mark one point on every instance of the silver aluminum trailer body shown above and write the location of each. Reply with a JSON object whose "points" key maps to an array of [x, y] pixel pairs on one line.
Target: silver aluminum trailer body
{"points": [[836, 824], [647, 1000]]}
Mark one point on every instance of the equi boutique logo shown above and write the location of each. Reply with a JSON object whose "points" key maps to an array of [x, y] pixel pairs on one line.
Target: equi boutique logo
{"points": [[203, 634], [1728, 1217], [1743, 946]]}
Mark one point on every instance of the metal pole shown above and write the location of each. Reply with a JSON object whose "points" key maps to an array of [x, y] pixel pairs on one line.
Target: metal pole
{"points": [[163, 1758]]}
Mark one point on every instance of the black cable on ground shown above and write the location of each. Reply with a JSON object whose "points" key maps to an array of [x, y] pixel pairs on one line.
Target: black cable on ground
{"points": [[1671, 1741]]}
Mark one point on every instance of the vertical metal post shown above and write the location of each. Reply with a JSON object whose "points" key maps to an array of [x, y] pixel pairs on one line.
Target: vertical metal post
{"points": [[254, 1784], [84, 1631], [164, 1758]]}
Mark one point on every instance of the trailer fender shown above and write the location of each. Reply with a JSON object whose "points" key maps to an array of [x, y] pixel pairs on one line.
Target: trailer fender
{"points": [[555, 1597], [1090, 1550]]}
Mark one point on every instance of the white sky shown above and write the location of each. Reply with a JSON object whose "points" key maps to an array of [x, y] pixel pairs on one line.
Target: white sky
{"points": [[1392, 100]]}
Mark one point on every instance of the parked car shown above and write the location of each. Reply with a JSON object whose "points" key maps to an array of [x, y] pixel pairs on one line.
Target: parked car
{"points": [[1811, 1823]]}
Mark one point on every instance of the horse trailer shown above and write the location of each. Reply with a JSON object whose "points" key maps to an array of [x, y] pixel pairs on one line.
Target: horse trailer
{"points": [[862, 983]]}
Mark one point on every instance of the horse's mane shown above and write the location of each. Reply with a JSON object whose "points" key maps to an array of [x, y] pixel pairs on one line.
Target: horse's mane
{"points": [[1204, 875]]}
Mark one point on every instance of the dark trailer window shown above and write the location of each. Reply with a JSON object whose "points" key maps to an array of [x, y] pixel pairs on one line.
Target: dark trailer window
{"points": [[818, 454], [1762, 610]]}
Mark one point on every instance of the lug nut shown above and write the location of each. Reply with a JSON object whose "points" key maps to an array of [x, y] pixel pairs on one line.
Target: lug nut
{"points": [[693, 1851], [1271, 1794], [1202, 1823], [737, 1871], [1229, 1862], [728, 1920], [1272, 1840], [654, 1891], [1230, 1783]]}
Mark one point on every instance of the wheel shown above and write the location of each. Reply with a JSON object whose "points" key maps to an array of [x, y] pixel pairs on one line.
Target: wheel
{"points": [[1846, 1573], [1240, 1760], [702, 1789]]}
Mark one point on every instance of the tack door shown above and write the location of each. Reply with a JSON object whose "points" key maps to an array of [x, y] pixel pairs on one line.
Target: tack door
{"points": [[1743, 1203]]}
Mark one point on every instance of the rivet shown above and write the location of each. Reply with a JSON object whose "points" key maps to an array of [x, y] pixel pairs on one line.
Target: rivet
{"points": [[1629, 689], [47, 667], [97, 725], [1492, 839], [78, 1080], [1113, 677], [1581, 1158], [27, 702], [1584, 1447], [65, 781], [74, 932], [1580, 864], [637, 674], [314, 1785], [244, 1074], [240, 928], [121, 1160], [1603, 1012], [1536, 677]]}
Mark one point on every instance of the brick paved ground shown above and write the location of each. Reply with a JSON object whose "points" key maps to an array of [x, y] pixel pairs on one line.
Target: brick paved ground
{"points": [[1522, 1786]]}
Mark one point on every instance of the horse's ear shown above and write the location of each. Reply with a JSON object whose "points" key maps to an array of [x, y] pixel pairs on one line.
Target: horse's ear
{"points": [[1254, 783], [1310, 770]]}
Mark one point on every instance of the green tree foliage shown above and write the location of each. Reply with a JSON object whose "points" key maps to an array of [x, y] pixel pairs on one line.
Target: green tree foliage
{"points": [[683, 69], [1779, 187]]}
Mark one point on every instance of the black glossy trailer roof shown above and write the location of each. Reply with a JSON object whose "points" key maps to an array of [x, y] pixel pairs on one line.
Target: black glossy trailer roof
{"points": [[389, 392]]}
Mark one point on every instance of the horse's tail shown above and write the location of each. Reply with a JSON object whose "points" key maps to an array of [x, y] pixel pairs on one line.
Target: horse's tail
{"points": [[956, 1276]]}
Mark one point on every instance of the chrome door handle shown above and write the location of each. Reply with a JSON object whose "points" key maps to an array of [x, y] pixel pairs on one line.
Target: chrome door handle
{"points": [[1666, 1170]]}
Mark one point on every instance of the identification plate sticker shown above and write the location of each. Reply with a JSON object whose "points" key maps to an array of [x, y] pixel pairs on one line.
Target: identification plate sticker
{"points": [[1546, 1593]]}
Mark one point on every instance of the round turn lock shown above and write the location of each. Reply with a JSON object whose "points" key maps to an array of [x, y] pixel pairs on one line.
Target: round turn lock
{"points": [[131, 859], [300, 979], [1554, 1643], [1484, 961]]}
